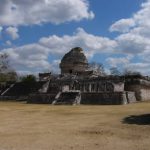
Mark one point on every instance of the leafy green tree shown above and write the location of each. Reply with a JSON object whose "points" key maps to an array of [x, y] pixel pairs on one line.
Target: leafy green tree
{"points": [[29, 79], [4, 63], [114, 71], [127, 72], [6, 72]]}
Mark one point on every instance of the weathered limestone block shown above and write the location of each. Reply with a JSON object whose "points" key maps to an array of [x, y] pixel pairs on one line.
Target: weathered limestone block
{"points": [[41, 98], [130, 97], [118, 87], [74, 61], [145, 94], [69, 98], [140, 86], [104, 98]]}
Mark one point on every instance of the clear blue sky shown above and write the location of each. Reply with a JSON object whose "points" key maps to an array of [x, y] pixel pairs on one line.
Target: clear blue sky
{"points": [[92, 24]]}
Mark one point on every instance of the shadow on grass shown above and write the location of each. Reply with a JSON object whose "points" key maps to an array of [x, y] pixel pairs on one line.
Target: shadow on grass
{"points": [[139, 119]]}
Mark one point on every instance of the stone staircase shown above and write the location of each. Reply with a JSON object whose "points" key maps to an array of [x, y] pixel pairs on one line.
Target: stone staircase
{"points": [[22, 89], [69, 98], [44, 88], [7, 89]]}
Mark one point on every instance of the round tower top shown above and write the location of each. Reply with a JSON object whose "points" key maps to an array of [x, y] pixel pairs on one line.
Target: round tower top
{"points": [[74, 61]]}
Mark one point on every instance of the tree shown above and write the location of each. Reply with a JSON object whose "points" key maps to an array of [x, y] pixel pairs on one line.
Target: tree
{"points": [[29, 79], [6, 72], [131, 72], [97, 67], [114, 71], [4, 65]]}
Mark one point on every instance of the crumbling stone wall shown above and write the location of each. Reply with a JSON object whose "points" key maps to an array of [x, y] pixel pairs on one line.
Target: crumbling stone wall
{"points": [[136, 89], [105, 98], [108, 98], [130, 97], [140, 86], [98, 85], [41, 98], [74, 61]]}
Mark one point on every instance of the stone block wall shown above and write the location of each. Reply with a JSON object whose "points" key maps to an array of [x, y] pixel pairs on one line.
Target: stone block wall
{"points": [[139, 85], [41, 98], [108, 98], [69, 98], [105, 98], [131, 97], [136, 89], [145, 94], [141, 93], [8, 98], [118, 87]]}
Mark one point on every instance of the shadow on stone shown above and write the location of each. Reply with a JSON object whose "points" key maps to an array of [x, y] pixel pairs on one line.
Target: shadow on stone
{"points": [[139, 119]]}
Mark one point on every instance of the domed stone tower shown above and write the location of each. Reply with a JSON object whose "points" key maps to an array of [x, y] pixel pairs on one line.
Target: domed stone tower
{"points": [[74, 62]]}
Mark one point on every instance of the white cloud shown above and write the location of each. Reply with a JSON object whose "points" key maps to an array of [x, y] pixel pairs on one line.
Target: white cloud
{"points": [[12, 32], [32, 57], [134, 38], [90, 43], [35, 56], [133, 43], [123, 25], [1, 28], [125, 63], [141, 67], [136, 23], [141, 17], [121, 61], [8, 43], [55, 66], [28, 12]]}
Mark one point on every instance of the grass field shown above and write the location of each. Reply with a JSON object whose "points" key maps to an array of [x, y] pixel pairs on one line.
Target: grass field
{"points": [[44, 127]]}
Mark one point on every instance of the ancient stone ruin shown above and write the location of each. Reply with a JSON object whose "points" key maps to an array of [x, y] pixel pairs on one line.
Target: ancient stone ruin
{"points": [[78, 85], [74, 62]]}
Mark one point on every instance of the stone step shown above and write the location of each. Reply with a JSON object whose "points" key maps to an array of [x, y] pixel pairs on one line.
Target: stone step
{"points": [[71, 98]]}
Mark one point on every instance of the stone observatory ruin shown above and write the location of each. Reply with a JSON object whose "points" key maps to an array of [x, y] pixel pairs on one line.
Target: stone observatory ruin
{"points": [[74, 62], [78, 85]]}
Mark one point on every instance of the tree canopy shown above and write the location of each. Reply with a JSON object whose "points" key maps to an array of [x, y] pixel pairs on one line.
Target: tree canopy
{"points": [[6, 72], [114, 71], [97, 67], [29, 79], [4, 65]]}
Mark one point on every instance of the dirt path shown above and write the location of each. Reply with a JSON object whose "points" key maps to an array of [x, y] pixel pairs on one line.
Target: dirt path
{"points": [[44, 127]]}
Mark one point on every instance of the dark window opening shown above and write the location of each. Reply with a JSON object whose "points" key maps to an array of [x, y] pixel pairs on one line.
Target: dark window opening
{"points": [[70, 71]]}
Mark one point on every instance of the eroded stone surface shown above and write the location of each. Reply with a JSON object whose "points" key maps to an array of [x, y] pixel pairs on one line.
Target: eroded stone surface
{"points": [[74, 61], [76, 84]]}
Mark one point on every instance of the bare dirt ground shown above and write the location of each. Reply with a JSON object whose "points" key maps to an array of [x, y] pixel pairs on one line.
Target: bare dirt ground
{"points": [[44, 127]]}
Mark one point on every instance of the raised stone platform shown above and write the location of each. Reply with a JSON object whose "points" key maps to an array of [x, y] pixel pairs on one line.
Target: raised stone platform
{"points": [[108, 98], [70, 98], [76, 84], [43, 98]]}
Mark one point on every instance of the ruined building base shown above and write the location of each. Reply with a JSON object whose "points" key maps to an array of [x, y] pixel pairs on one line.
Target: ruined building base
{"points": [[78, 85], [108, 98]]}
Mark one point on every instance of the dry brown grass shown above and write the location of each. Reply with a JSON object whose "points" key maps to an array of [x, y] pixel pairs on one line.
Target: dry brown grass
{"points": [[44, 127]]}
